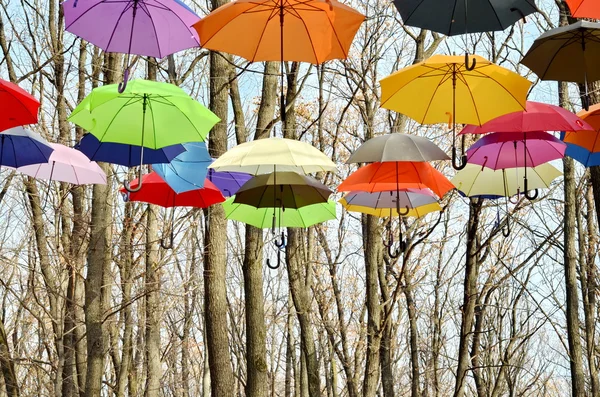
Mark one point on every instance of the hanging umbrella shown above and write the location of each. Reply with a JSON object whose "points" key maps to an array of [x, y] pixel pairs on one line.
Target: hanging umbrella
{"points": [[152, 28], [66, 165], [228, 182], [282, 190], [18, 106], [584, 146], [148, 114], [584, 8], [501, 150], [378, 177], [441, 88], [264, 156], [20, 147], [397, 147], [262, 217], [156, 191], [188, 170], [568, 53], [463, 16], [123, 154], [536, 117], [312, 31]]}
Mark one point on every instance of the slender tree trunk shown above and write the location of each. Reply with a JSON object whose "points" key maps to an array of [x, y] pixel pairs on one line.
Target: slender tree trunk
{"points": [[153, 312], [215, 261], [469, 297]]}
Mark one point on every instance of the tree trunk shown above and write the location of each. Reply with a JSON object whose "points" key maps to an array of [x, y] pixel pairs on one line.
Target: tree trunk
{"points": [[153, 312]]}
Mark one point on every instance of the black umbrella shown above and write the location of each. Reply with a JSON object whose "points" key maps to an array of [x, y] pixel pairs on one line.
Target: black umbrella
{"points": [[454, 17]]}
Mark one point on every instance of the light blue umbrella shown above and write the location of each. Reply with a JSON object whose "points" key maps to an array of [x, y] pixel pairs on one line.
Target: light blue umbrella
{"points": [[188, 170]]}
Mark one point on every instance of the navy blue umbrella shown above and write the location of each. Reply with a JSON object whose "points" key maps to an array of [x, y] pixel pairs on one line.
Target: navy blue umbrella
{"points": [[20, 147], [123, 154]]}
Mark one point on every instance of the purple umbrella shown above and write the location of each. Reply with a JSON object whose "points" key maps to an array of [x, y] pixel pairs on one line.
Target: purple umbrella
{"points": [[227, 182], [501, 150], [154, 28], [515, 149]]}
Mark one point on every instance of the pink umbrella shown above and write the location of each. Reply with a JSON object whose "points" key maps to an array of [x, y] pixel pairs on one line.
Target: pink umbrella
{"points": [[502, 150], [537, 117], [67, 165], [515, 149]]}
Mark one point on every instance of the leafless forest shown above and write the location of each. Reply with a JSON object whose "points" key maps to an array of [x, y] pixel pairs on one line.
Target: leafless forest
{"points": [[91, 305]]}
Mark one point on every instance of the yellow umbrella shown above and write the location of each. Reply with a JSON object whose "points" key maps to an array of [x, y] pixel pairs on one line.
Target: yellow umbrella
{"points": [[442, 88], [265, 156]]}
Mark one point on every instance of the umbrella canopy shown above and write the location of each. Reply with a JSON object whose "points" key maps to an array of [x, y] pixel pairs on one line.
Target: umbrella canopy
{"points": [[66, 165], [397, 147], [584, 8], [123, 154], [264, 156], [409, 198], [188, 170], [515, 149], [463, 16], [428, 90], [536, 117], [228, 182], [282, 190], [568, 53], [416, 212], [475, 180], [20, 147], [148, 113], [156, 191], [585, 156], [153, 28], [312, 31], [378, 177], [262, 217], [18, 106]]}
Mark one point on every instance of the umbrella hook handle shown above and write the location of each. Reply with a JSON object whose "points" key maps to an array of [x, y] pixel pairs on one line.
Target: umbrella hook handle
{"points": [[534, 195], [390, 241], [282, 243], [515, 9], [462, 164], [470, 65], [404, 212], [138, 187], [275, 267], [123, 84], [402, 246], [170, 244]]}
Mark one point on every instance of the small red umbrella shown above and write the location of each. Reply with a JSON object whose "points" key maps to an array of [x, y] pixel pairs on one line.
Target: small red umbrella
{"points": [[537, 117], [18, 106], [156, 191]]}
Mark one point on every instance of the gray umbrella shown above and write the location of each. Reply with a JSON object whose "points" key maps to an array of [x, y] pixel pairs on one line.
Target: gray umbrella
{"points": [[410, 198], [568, 53], [453, 17], [397, 147]]}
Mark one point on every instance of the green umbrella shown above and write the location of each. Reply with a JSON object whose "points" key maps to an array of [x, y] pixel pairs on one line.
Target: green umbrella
{"points": [[261, 217], [282, 190], [147, 114]]}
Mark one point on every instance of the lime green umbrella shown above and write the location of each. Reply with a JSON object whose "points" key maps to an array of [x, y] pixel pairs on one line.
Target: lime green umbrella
{"points": [[147, 114], [262, 217]]}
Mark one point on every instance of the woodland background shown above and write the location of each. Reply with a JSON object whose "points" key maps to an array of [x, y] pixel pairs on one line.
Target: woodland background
{"points": [[91, 305]]}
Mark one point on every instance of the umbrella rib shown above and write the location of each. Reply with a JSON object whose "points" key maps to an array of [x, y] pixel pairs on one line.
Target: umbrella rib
{"points": [[19, 102], [176, 16], [272, 15], [142, 5], [129, 100], [153, 124], [496, 14], [562, 46], [89, 9], [433, 96], [312, 45], [188, 119], [112, 35]]}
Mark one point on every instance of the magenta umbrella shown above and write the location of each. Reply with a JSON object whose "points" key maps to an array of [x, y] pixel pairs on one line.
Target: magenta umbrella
{"points": [[67, 165], [501, 150], [537, 117], [153, 28]]}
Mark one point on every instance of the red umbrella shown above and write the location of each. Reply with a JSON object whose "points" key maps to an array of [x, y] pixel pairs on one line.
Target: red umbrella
{"points": [[537, 117], [160, 193], [18, 106], [156, 191]]}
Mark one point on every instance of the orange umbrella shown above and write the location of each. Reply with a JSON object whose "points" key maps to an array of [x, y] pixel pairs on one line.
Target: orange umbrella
{"points": [[587, 139], [584, 8], [379, 177], [312, 31]]}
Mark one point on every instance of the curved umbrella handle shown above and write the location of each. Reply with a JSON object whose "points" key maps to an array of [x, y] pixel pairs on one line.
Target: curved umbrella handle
{"points": [[515, 9], [468, 65], [450, 119], [275, 267], [390, 241], [75, 3], [170, 244], [280, 244], [128, 187], [506, 229], [585, 102], [534, 195], [458, 166], [123, 84], [403, 213]]}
